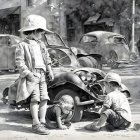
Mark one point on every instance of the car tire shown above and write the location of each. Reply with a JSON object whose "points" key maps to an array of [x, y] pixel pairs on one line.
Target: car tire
{"points": [[78, 110], [4, 95], [112, 58], [95, 62], [85, 62]]}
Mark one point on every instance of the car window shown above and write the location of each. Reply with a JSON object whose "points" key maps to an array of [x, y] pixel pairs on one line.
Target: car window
{"points": [[4, 40], [88, 39], [53, 40], [117, 40], [59, 57]]}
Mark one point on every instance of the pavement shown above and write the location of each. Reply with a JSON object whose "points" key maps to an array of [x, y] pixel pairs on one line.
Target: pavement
{"points": [[16, 124]]}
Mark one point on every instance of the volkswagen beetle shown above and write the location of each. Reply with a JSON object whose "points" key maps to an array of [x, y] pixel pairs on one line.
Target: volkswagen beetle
{"points": [[111, 46]]}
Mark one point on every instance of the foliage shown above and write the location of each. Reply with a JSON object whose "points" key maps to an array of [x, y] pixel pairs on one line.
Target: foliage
{"points": [[120, 11]]}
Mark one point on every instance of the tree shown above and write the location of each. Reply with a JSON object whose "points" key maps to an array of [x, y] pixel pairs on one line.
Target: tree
{"points": [[118, 10]]}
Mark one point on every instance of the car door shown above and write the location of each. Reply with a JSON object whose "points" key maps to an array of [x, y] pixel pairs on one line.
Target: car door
{"points": [[3, 53]]}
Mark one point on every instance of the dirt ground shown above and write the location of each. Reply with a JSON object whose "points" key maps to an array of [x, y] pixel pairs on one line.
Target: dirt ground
{"points": [[16, 124]]}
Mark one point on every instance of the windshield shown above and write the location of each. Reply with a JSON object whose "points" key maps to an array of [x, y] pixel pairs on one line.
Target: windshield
{"points": [[54, 40], [59, 57]]}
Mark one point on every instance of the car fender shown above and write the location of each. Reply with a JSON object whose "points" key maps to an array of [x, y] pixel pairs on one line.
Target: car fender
{"points": [[68, 77], [117, 49]]}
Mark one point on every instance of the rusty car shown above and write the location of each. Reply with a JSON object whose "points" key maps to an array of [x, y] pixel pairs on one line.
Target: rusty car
{"points": [[70, 78], [112, 47]]}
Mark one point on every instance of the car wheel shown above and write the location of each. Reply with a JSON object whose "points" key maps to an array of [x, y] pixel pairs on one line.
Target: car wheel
{"points": [[5, 94], [95, 62], [78, 110], [85, 62], [133, 57], [112, 58]]}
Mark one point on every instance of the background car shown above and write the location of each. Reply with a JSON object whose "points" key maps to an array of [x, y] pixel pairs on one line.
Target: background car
{"points": [[111, 46], [87, 60], [8, 45]]}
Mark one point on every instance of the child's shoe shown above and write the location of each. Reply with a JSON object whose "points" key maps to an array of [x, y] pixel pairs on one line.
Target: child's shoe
{"points": [[110, 127], [50, 125], [136, 126], [68, 124], [40, 129], [92, 127]]}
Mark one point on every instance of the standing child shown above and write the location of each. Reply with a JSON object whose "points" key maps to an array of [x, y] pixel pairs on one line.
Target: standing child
{"points": [[33, 61], [116, 110], [60, 114]]}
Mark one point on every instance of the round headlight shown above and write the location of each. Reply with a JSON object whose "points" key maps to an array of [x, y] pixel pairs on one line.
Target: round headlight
{"points": [[83, 76], [88, 76], [94, 77]]}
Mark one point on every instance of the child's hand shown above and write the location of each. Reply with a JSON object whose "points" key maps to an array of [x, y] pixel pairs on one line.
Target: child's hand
{"points": [[63, 127], [30, 77], [68, 124]]}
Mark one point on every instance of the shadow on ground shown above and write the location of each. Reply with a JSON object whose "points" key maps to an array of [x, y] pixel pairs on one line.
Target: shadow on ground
{"points": [[17, 128]]}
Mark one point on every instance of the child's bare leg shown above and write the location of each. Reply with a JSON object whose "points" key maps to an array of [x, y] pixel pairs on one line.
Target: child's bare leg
{"points": [[95, 126], [34, 112], [102, 120], [42, 111]]}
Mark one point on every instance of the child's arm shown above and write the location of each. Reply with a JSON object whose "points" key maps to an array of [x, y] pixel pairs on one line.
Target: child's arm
{"points": [[20, 61], [58, 117], [68, 118], [51, 76], [103, 109], [48, 65], [106, 105]]}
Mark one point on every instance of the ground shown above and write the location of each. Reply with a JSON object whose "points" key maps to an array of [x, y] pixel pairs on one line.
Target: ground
{"points": [[16, 124]]}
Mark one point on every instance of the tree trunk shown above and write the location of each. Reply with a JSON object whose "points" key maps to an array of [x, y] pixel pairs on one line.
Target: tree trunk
{"points": [[116, 28]]}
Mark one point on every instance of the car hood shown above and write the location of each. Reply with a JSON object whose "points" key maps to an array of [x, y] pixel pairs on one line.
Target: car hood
{"points": [[59, 70]]}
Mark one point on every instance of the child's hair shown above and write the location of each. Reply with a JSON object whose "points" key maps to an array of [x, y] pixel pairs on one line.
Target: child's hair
{"points": [[114, 84], [32, 31], [66, 99], [28, 32]]}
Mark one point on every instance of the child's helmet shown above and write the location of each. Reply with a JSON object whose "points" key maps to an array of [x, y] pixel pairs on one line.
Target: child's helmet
{"points": [[112, 77], [67, 99], [33, 22]]}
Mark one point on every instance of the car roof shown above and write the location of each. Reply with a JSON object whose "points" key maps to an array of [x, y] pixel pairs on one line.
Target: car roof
{"points": [[103, 34], [8, 35], [17, 37]]}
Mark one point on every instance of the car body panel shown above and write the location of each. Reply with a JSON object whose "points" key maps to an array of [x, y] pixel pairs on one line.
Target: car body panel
{"points": [[8, 45]]}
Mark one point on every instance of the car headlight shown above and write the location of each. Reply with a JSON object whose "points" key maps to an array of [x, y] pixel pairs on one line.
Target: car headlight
{"points": [[86, 76], [94, 77], [82, 75]]}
